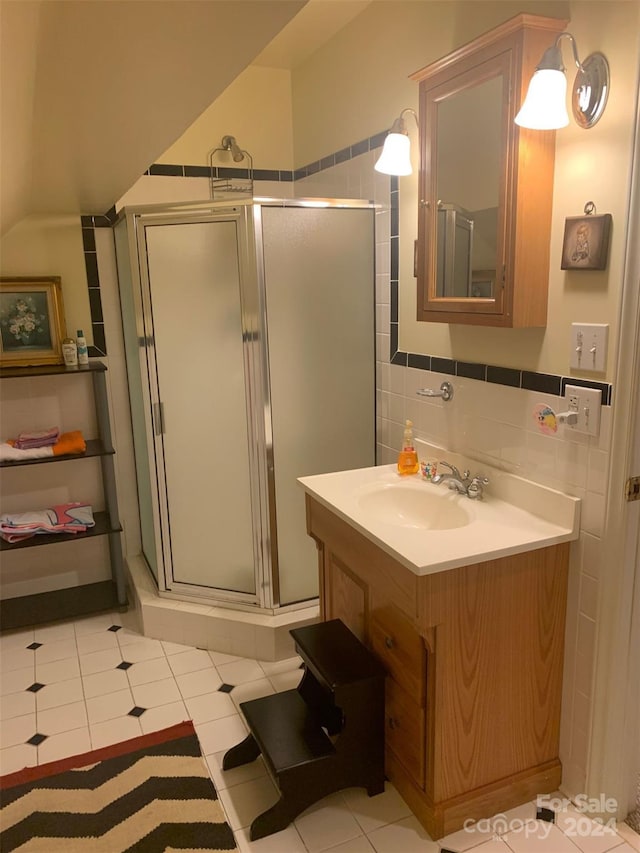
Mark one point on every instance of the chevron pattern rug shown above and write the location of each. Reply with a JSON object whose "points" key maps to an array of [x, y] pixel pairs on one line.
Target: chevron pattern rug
{"points": [[145, 795]]}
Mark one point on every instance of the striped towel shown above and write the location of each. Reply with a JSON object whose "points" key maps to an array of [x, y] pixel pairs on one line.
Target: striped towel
{"points": [[43, 438], [63, 518]]}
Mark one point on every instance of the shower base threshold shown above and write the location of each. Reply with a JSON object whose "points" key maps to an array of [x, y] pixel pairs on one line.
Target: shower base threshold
{"points": [[233, 632]]}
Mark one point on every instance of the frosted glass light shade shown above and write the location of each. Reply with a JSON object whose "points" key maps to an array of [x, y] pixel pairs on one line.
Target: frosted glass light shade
{"points": [[396, 155], [545, 106]]}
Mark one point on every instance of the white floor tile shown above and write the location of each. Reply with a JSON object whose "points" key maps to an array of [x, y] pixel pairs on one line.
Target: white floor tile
{"points": [[59, 670], [16, 657], [174, 648], [222, 734], [624, 848], [64, 718], [14, 758], [210, 706], [61, 693], [148, 671], [374, 812], [287, 841], [156, 719], [252, 690], [495, 845], [94, 624], [58, 650], [361, 844], [271, 667], [156, 693], [222, 657], [113, 731], [102, 683], [17, 680], [101, 661], [326, 824], [51, 633], [191, 661], [64, 745], [197, 683], [240, 671], [627, 834], [466, 838], [286, 680], [89, 643], [538, 836], [143, 650], [17, 704], [16, 640], [587, 835], [110, 706], [243, 803], [236, 776], [408, 836], [18, 729]]}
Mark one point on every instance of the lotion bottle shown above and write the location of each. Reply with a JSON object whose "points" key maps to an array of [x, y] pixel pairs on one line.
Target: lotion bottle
{"points": [[408, 458], [83, 351]]}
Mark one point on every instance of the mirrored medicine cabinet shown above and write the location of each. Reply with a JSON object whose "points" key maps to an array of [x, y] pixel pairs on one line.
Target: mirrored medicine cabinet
{"points": [[486, 185]]}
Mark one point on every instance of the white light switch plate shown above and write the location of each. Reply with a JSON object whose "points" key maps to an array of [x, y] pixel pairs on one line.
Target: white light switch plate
{"points": [[589, 346], [586, 402]]}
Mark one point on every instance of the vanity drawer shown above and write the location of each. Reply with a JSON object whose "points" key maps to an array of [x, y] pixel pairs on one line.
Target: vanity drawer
{"points": [[400, 649], [405, 730]]}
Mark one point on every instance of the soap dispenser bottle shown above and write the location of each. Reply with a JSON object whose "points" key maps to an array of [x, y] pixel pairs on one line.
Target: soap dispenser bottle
{"points": [[408, 458]]}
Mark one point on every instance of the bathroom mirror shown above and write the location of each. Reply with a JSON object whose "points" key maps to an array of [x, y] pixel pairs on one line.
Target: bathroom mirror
{"points": [[486, 185], [467, 177]]}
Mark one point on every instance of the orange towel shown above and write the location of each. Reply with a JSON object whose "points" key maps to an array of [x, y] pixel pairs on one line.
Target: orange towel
{"points": [[69, 443]]}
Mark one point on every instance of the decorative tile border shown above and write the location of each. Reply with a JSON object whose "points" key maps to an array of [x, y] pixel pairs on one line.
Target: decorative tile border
{"points": [[529, 380], [545, 383]]}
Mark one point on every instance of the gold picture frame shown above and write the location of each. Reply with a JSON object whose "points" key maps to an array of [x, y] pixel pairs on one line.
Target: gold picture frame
{"points": [[32, 324]]}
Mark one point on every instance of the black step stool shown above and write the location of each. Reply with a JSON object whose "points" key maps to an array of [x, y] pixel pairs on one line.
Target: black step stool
{"points": [[325, 735]]}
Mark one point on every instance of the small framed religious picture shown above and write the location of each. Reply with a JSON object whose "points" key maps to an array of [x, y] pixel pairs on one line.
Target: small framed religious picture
{"points": [[586, 240]]}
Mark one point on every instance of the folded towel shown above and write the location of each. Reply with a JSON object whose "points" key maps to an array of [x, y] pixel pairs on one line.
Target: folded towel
{"points": [[69, 443], [62, 518], [42, 438]]}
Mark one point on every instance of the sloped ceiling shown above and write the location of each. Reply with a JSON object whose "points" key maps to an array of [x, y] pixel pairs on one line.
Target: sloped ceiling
{"points": [[93, 91]]}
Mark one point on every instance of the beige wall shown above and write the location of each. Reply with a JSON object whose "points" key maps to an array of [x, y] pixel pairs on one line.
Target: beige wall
{"points": [[357, 84], [51, 246], [256, 109]]}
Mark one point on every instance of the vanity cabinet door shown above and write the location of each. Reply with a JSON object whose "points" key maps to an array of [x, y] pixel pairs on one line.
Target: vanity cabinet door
{"points": [[486, 184], [405, 730], [400, 650], [345, 596]]}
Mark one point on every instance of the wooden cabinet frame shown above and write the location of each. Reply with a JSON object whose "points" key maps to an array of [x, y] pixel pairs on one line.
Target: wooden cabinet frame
{"points": [[510, 51]]}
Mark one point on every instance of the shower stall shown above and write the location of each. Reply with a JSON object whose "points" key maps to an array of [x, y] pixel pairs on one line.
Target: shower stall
{"points": [[250, 347]]}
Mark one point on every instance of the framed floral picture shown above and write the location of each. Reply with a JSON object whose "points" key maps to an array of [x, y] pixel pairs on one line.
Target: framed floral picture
{"points": [[31, 321]]}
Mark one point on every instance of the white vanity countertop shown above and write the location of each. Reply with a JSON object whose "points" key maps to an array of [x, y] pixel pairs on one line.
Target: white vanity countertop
{"points": [[430, 528]]}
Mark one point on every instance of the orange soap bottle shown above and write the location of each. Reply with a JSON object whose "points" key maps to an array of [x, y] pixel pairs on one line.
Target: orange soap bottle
{"points": [[408, 458]]}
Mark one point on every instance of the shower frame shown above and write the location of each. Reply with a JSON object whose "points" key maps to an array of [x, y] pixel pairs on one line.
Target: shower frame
{"points": [[247, 215]]}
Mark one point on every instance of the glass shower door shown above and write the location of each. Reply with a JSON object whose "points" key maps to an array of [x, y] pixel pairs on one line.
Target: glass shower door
{"points": [[200, 419]]}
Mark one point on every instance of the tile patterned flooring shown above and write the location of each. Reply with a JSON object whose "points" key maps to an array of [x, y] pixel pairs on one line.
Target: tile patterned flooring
{"points": [[70, 687]]}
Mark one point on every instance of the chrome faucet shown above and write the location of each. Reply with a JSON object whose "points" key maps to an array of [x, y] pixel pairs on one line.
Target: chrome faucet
{"points": [[463, 483]]}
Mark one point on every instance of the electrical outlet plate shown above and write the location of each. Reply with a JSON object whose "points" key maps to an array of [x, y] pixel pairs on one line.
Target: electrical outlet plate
{"points": [[586, 403], [589, 346]]}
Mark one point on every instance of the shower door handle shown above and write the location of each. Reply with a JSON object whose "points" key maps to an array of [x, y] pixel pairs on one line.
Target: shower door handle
{"points": [[158, 418]]}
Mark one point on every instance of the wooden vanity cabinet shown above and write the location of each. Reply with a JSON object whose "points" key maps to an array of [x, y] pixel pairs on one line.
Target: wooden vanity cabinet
{"points": [[474, 669]]}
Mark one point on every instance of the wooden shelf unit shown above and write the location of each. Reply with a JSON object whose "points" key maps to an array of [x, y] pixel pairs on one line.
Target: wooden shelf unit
{"points": [[88, 598]]}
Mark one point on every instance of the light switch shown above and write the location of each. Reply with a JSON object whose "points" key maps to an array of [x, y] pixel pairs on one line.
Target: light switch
{"points": [[589, 346]]}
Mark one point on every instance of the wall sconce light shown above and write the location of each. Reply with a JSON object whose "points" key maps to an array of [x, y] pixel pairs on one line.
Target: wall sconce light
{"points": [[544, 108], [396, 151]]}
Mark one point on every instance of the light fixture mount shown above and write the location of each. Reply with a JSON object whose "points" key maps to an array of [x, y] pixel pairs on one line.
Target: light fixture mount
{"points": [[590, 90]]}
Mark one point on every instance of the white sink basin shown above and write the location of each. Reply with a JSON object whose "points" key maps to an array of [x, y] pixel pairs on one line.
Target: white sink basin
{"points": [[409, 504], [429, 528]]}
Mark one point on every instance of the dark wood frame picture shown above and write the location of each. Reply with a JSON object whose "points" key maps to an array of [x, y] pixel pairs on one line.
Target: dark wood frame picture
{"points": [[586, 242]]}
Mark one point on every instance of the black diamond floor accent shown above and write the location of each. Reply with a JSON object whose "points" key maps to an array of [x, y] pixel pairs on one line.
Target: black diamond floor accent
{"points": [[136, 712], [37, 739], [546, 814], [34, 646], [114, 628], [226, 688], [35, 687], [124, 665]]}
